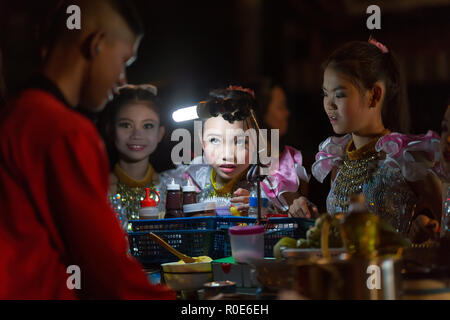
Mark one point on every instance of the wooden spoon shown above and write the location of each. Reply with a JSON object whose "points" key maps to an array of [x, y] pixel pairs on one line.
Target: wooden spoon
{"points": [[171, 249]]}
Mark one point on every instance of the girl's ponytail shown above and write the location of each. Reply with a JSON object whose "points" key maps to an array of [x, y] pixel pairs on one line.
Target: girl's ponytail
{"points": [[395, 112]]}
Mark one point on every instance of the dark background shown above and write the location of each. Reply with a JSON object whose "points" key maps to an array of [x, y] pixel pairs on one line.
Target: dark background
{"points": [[191, 47]]}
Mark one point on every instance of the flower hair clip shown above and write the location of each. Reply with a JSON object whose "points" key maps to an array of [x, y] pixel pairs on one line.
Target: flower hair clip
{"points": [[379, 45], [242, 89]]}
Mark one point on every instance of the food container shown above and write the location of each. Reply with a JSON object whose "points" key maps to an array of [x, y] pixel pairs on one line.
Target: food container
{"points": [[223, 211], [247, 243], [186, 276], [199, 209]]}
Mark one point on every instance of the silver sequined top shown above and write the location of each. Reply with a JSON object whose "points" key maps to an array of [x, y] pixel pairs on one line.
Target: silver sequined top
{"points": [[381, 177], [387, 194], [445, 222]]}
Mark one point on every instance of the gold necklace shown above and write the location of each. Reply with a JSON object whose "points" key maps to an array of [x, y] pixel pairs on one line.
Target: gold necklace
{"points": [[356, 170], [131, 192], [127, 180], [223, 191]]}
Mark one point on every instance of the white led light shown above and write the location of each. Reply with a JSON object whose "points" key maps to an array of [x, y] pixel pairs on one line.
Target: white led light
{"points": [[185, 114]]}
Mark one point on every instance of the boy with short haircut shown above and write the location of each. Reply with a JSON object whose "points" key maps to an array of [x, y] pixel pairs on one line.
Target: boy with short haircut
{"points": [[54, 169]]}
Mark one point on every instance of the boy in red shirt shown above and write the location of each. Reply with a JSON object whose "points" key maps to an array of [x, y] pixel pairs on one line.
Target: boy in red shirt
{"points": [[54, 170]]}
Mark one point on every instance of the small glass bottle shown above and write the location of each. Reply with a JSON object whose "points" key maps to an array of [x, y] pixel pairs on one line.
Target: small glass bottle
{"points": [[174, 201]]}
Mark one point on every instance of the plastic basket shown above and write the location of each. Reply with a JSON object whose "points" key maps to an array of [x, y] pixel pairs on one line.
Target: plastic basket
{"points": [[193, 243], [276, 228], [204, 236], [194, 223]]}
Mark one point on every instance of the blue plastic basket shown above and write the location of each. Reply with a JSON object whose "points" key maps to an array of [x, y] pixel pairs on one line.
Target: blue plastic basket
{"points": [[276, 228], [193, 243], [204, 236], [194, 223]]}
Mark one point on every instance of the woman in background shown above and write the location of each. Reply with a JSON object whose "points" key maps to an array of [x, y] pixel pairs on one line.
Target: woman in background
{"points": [[272, 107]]}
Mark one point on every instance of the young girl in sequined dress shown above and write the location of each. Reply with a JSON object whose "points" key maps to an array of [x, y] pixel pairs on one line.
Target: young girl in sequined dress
{"points": [[131, 127], [221, 173], [445, 172], [362, 97]]}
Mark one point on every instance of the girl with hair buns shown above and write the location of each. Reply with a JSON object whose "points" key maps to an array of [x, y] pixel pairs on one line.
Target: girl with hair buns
{"points": [[363, 97], [221, 174]]}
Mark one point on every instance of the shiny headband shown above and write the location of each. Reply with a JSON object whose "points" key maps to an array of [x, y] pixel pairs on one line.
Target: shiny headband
{"points": [[242, 89], [148, 87]]}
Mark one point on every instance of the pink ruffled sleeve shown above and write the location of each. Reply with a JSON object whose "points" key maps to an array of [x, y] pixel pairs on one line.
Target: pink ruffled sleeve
{"points": [[414, 155], [284, 176], [331, 154]]}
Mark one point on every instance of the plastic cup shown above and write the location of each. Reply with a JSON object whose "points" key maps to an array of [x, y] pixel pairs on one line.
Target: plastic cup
{"points": [[247, 243]]}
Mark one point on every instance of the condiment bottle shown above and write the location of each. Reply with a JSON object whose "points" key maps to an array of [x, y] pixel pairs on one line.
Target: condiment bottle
{"points": [[189, 194], [174, 201], [149, 207]]}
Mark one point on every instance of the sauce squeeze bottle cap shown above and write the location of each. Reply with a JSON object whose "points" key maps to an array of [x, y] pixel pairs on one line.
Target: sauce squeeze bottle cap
{"points": [[189, 187], [148, 201], [173, 186]]}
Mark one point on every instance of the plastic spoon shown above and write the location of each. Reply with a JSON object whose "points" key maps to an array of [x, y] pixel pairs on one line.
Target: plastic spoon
{"points": [[171, 249]]}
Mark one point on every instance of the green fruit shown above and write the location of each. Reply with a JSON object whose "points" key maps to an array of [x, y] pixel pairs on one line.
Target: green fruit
{"points": [[302, 243], [285, 242], [313, 234]]}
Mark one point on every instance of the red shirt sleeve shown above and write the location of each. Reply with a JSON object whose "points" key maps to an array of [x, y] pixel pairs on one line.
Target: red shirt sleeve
{"points": [[77, 174]]}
